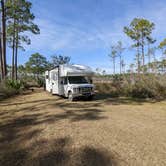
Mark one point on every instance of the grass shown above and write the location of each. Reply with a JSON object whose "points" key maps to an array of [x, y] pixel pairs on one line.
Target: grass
{"points": [[40, 129]]}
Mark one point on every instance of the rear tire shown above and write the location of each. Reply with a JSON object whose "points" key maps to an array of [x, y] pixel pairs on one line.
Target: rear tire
{"points": [[70, 96], [51, 91], [90, 97]]}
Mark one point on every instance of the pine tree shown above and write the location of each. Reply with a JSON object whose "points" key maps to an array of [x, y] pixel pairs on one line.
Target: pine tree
{"points": [[3, 40], [20, 19], [140, 31]]}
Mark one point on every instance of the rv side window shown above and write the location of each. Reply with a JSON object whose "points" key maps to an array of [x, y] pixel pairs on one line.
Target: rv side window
{"points": [[54, 76]]}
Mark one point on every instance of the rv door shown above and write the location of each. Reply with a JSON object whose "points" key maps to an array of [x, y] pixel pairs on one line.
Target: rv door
{"points": [[55, 85], [62, 86]]}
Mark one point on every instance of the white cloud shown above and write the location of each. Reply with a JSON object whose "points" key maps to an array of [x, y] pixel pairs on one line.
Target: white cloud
{"points": [[54, 36]]}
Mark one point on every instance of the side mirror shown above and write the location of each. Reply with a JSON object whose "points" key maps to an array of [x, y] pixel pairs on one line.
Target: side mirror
{"points": [[61, 82]]}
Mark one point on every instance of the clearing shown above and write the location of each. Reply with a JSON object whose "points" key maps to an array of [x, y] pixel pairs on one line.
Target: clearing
{"points": [[37, 128]]}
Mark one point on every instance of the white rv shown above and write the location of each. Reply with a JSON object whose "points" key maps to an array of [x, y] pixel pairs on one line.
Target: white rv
{"points": [[70, 81]]}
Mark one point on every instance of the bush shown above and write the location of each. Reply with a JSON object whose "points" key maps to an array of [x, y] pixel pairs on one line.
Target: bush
{"points": [[14, 84], [137, 86], [40, 82], [150, 87], [31, 81], [9, 88], [106, 88], [141, 91]]}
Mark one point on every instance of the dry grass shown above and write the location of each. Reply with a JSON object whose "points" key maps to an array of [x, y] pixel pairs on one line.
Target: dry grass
{"points": [[39, 129]]}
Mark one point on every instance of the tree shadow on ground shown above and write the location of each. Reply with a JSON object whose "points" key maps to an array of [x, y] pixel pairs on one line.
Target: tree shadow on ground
{"points": [[4, 96], [74, 116], [28, 102], [56, 152], [11, 151], [30, 117], [86, 114], [63, 153], [13, 157], [84, 156], [109, 99], [91, 156], [23, 129], [11, 131], [13, 134], [79, 104]]}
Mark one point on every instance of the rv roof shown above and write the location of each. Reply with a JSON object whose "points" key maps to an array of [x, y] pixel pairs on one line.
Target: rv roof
{"points": [[75, 70]]}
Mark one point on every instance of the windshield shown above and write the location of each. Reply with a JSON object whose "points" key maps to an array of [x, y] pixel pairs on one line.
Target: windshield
{"points": [[77, 80]]}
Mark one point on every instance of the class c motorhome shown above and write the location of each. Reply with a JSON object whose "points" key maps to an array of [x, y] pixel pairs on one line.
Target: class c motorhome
{"points": [[70, 81]]}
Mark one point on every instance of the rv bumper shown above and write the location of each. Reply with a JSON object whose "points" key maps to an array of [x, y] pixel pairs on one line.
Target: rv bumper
{"points": [[83, 94]]}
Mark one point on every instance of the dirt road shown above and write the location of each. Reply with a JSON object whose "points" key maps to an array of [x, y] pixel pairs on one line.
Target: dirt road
{"points": [[40, 129]]}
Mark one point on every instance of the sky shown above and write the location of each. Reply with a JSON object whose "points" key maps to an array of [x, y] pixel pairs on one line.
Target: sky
{"points": [[85, 29]]}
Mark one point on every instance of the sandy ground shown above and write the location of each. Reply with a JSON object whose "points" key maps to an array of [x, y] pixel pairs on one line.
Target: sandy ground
{"points": [[40, 129]]}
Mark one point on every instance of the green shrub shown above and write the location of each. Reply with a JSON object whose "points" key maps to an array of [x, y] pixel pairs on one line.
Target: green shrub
{"points": [[14, 84], [25, 84], [9, 88], [30, 81], [151, 87], [40, 82], [137, 86], [140, 91], [106, 88]]}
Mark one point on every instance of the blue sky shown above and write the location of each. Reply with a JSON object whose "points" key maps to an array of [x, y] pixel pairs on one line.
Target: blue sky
{"points": [[85, 29]]}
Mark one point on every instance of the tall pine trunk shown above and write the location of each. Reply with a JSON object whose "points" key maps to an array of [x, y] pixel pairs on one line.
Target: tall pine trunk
{"points": [[149, 58], [163, 57], [143, 56], [155, 64], [138, 58], [16, 52], [3, 40], [1, 63], [13, 52], [120, 58], [13, 43], [114, 64]]}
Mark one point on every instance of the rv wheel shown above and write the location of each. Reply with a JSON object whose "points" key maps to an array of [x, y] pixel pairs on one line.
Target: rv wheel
{"points": [[70, 96], [90, 97]]}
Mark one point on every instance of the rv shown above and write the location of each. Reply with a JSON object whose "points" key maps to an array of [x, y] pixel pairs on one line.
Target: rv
{"points": [[70, 81]]}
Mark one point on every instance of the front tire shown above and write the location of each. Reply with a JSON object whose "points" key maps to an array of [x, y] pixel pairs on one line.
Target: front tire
{"points": [[70, 96], [90, 97], [51, 92]]}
